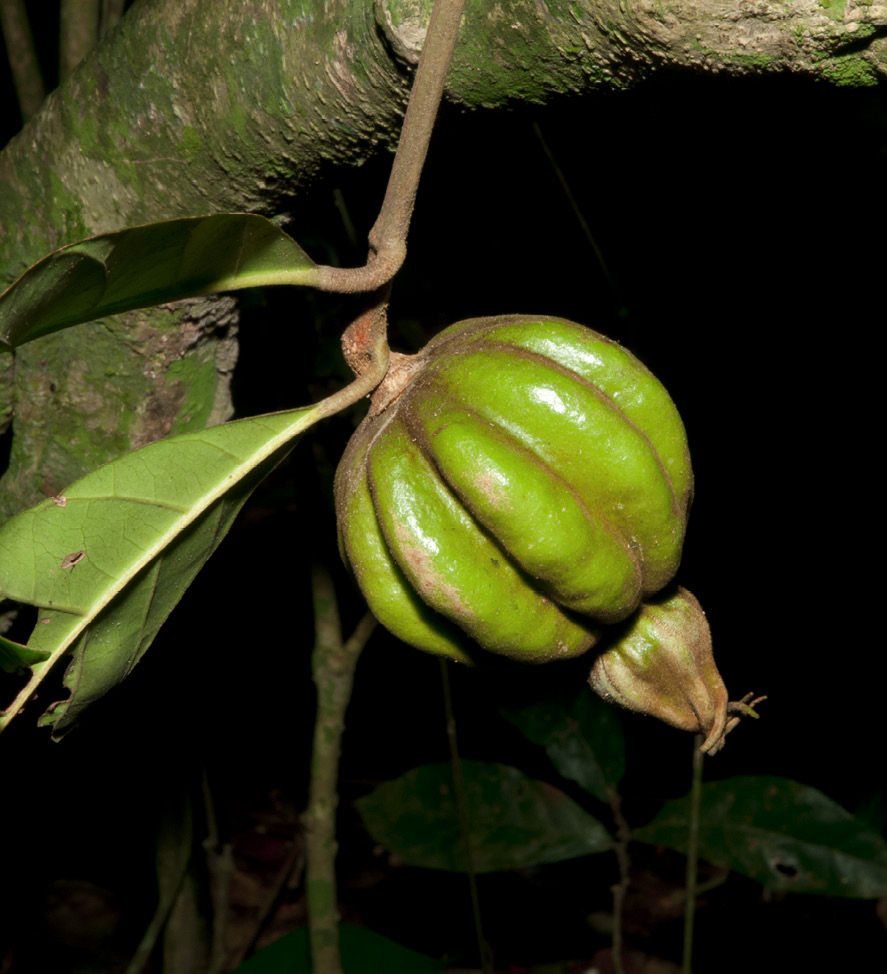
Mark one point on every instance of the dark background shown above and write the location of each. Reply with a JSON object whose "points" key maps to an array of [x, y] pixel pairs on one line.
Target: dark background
{"points": [[742, 224]]}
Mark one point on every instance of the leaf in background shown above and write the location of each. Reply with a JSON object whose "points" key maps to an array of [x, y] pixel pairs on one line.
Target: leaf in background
{"points": [[363, 952], [785, 835], [15, 657], [516, 822], [149, 265], [106, 562], [582, 736]]}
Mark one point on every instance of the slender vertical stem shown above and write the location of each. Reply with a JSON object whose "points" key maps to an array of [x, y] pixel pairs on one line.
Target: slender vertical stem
{"points": [[289, 875], [78, 30], [220, 865], [366, 351], [173, 854], [692, 854], [110, 16], [392, 225], [577, 210], [464, 818], [22, 57], [620, 889], [333, 663]]}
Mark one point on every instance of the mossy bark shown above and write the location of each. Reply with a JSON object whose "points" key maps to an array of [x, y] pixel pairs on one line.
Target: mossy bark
{"points": [[188, 108], [192, 107]]}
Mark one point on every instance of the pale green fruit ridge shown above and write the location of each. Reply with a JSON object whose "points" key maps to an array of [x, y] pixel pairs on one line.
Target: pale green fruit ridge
{"points": [[577, 432], [532, 512], [389, 593], [455, 567]]}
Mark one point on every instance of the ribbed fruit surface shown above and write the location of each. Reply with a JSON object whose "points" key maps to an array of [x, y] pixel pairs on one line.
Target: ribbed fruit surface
{"points": [[530, 483]]}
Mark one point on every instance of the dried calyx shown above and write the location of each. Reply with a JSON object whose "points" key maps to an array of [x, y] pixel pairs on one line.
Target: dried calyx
{"points": [[662, 665]]}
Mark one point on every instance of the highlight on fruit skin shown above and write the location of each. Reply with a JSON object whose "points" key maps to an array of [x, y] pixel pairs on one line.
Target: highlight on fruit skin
{"points": [[525, 483]]}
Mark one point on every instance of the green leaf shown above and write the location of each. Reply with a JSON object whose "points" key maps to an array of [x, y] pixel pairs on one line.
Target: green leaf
{"points": [[582, 736], [15, 657], [363, 952], [106, 561], [785, 835], [515, 822], [148, 265]]}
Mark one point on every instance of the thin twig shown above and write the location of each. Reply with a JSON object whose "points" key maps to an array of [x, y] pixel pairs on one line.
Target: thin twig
{"points": [[345, 217], [333, 663], [146, 946], [388, 238], [577, 211], [464, 819], [292, 865], [692, 854]]}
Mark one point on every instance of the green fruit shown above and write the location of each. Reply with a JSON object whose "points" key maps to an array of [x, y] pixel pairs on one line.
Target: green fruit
{"points": [[519, 483]]}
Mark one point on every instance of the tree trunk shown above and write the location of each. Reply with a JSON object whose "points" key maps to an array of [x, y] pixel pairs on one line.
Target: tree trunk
{"points": [[197, 107]]}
